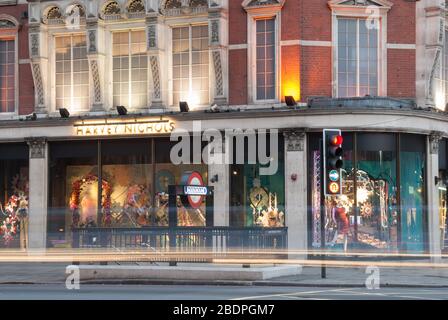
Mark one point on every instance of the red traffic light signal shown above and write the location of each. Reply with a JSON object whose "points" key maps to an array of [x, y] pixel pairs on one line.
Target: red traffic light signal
{"points": [[336, 140]]}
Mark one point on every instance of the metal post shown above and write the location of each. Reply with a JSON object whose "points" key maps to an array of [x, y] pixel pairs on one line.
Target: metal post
{"points": [[323, 271]]}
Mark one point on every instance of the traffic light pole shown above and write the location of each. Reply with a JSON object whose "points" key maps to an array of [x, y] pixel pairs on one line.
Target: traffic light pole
{"points": [[323, 271]]}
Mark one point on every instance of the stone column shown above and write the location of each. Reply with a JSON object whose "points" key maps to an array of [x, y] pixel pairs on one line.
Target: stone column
{"points": [[296, 190], [434, 232], [38, 190]]}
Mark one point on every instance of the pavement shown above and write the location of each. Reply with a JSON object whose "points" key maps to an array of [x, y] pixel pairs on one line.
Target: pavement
{"points": [[206, 292], [55, 273]]}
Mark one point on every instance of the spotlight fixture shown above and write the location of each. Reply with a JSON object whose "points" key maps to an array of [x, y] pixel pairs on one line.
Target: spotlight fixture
{"points": [[31, 117], [64, 113], [214, 179], [183, 106], [214, 108], [290, 101], [122, 111]]}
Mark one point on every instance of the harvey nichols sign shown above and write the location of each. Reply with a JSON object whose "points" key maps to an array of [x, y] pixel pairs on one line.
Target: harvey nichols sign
{"points": [[105, 128]]}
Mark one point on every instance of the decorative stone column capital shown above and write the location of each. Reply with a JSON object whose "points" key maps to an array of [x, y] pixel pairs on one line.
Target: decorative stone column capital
{"points": [[37, 147], [434, 139], [294, 139]]}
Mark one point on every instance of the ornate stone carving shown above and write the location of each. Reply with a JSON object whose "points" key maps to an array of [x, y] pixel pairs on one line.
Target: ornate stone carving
{"points": [[38, 84], [295, 140], [179, 7], [152, 36], [92, 41], [434, 139], [6, 24], [96, 81], [37, 147], [214, 32], [218, 73], [54, 13], [136, 6], [112, 8], [77, 9], [34, 45], [154, 62], [435, 66]]}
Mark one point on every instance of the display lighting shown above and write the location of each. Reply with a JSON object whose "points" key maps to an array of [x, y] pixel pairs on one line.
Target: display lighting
{"points": [[183, 106], [64, 113], [290, 101], [122, 111]]}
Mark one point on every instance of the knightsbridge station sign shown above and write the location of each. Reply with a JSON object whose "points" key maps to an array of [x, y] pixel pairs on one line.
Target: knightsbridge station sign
{"points": [[118, 128]]}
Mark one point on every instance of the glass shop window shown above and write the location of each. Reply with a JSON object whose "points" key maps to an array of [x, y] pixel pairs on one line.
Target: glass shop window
{"points": [[73, 190], [14, 166], [257, 199], [127, 182], [167, 173], [412, 191]]}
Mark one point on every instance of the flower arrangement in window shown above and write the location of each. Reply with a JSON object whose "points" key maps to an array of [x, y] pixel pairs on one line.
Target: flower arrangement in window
{"points": [[83, 206], [15, 211], [137, 204]]}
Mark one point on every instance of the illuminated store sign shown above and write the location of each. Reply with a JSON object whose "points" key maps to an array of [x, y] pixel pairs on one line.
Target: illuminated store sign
{"points": [[134, 127], [195, 191]]}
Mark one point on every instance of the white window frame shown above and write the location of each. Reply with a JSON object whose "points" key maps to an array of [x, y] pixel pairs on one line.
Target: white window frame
{"points": [[169, 57], [110, 68], [252, 17], [53, 74], [361, 12], [12, 34]]}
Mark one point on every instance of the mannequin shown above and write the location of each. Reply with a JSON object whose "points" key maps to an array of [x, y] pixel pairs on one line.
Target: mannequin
{"points": [[343, 224]]}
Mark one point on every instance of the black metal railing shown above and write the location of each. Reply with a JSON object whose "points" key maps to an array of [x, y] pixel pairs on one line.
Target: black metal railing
{"points": [[214, 241]]}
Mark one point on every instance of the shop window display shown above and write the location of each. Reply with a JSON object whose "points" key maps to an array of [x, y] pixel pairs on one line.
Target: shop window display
{"points": [[167, 174], [13, 195], [412, 191], [257, 200], [115, 184], [370, 218]]}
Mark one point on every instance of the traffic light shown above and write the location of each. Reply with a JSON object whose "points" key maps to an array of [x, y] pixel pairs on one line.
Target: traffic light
{"points": [[332, 161]]}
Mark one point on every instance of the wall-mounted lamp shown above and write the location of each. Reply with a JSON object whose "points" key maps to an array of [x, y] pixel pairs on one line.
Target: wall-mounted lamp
{"points": [[214, 179], [122, 111], [290, 101], [31, 117], [183, 106], [64, 113], [294, 177]]}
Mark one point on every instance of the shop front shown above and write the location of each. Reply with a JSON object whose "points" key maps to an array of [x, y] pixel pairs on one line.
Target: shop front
{"points": [[383, 201]]}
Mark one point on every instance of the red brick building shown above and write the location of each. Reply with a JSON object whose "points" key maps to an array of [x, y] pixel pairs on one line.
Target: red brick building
{"points": [[376, 69]]}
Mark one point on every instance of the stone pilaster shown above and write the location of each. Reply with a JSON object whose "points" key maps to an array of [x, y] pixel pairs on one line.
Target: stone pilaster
{"points": [[38, 193], [217, 24], [219, 178], [39, 65], [296, 189], [96, 57], [434, 232], [154, 36]]}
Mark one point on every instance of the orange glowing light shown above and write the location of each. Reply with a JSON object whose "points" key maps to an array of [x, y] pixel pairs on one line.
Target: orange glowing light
{"points": [[291, 88]]}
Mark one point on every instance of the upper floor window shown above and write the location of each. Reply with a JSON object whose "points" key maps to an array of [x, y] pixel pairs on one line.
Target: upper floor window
{"points": [[72, 73], [191, 65], [130, 69], [265, 57], [7, 75], [357, 62]]}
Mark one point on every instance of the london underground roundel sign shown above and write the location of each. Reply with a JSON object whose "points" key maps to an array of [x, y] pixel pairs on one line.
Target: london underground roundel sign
{"points": [[195, 179]]}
